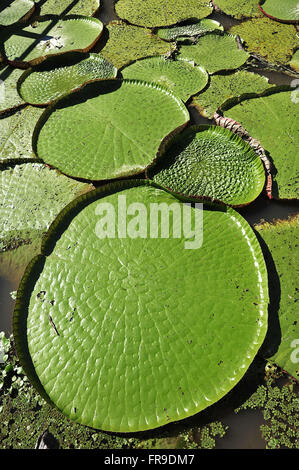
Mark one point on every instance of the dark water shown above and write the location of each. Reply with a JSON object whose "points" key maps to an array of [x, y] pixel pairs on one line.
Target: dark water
{"points": [[244, 427]]}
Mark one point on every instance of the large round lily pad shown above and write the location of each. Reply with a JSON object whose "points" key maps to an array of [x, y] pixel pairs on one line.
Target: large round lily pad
{"points": [[273, 121], [127, 43], [181, 77], [58, 76], [215, 52], [50, 35], [282, 345], [15, 10], [212, 162], [160, 12], [108, 129], [286, 11], [146, 331]]}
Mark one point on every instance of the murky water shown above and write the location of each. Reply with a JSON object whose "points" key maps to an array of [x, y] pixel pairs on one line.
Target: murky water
{"points": [[244, 428]]}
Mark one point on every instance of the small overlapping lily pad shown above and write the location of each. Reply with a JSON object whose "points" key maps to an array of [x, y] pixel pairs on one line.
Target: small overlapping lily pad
{"points": [[146, 331], [49, 35], [273, 121], [161, 13], [58, 76], [16, 129], [127, 43], [31, 196], [228, 89], [215, 52], [108, 129], [181, 77], [13, 11], [211, 162], [193, 30]]}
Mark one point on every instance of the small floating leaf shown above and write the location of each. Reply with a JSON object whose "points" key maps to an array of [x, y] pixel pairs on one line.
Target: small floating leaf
{"points": [[58, 76], [269, 39], [9, 96], [31, 196], [50, 35], [128, 43], [180, 76], [239, 8], [287, 10], [273, 121], [200, 28], [146, 331], [226, 89], [15, 10], [16, 129], [213, 162], [282, 345], [161, 13], [215, 52], [108, 129], [63, 7]]}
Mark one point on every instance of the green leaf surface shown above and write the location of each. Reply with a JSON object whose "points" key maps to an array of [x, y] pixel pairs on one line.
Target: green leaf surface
{"points": [[294, 62], [161, 13], [269, 39], [215, 52], [108, 129], [239, 9], [146, 331], [282, 239], [273, 120], [211, 162], [58, 76], [9, 96], [128, 43], [287, 10], [16, 129], [50, 35], [180, 76], [229, 89], [13, 11], [200, 28], [63, 7], [31, 196]]}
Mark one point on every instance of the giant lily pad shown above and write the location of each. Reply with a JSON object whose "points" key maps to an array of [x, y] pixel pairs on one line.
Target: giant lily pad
{"points": [[161, 13], [146, 331], [50, 35], [239, 8], [212, 162], [31, 196], [273, 121], [229, 89], [215, 52], [180, 32], [63, 7], [282, 238], [128, 43], [9, 96], [108, 129], [286, 11], [180, 76], [15, 10], [269, 39], [55, 78], [16, 129]]}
